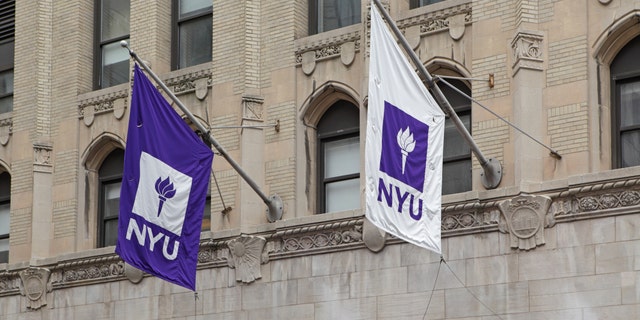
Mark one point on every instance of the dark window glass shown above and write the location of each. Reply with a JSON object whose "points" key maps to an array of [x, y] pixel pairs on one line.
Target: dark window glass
{"points": [[5, 216], [325, 15], [456, 166], [625, 79], [7, 32], [421, 3], [192, 32], [110, 179], [112, 26], [339, 158]]}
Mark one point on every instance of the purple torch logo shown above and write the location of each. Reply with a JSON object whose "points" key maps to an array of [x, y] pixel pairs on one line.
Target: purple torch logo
{"points": [[165, 190]]}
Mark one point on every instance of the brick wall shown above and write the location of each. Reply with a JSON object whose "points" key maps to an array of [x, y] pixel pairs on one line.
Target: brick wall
{"points": [[567, 61], [568, 128]]}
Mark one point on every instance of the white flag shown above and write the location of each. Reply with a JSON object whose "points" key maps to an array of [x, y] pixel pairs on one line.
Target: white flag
{"points": [[405, 133]]}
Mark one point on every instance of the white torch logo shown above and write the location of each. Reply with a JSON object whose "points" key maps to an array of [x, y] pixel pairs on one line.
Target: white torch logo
{"points": [[406, 143]]}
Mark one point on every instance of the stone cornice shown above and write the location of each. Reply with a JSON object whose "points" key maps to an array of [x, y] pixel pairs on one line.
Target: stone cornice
{"points": [[617, 196]]}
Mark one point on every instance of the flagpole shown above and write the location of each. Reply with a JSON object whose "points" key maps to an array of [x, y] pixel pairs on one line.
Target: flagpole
{"points": [[274, 203], [492, 169]]}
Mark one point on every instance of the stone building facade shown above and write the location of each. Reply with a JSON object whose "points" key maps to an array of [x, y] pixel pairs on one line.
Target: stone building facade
{"points": [[559, 237]]}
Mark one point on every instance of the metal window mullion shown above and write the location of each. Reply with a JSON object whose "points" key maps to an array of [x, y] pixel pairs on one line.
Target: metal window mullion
{"points": [[343, 177]]}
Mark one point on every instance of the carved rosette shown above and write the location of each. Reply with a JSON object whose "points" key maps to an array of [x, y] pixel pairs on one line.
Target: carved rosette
{"points": [[246, 257], [524, 220], [35, 285], [527, 51]]}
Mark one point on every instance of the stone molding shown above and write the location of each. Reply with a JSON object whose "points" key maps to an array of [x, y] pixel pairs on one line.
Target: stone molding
{"points": [[344, 46], [580, 202], [115, 99], [437, 21]]}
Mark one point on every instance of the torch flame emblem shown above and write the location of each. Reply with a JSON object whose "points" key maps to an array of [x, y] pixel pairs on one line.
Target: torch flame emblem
{"points": [[165, 190], [406, 144]]}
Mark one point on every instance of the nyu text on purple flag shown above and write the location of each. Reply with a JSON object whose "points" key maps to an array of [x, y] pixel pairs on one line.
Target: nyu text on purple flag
{"points": [[164, 187], [403, 152]]}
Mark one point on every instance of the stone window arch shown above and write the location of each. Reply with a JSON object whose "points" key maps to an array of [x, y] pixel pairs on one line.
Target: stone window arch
{"points": [[103, 164], [332, 121], [619, 90]]}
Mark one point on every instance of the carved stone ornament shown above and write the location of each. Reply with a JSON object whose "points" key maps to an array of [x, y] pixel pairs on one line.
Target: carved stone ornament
{"points": [[308, 62], [252, 107], [246, 257], [6, 130], [524, 220], [347, 53], [527, 51], [35, 285], [456, 26], [42, 157]]}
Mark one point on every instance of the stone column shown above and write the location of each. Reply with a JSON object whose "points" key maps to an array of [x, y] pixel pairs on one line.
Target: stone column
{"points": [[42, 221], [528, 112], [252, 208]]}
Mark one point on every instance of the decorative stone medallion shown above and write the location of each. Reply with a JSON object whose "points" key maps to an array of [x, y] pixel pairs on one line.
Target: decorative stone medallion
{"points": [[35, 285], [246, 257], [524, 220]]}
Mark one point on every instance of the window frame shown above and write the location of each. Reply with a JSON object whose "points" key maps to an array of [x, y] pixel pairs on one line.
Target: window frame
{"points": [[103, 181], [330, 136], [6, 199], [461, 109], [313, 18], [176, 21], [7, 42], [414, 4], [617, 130], [99, 43]]}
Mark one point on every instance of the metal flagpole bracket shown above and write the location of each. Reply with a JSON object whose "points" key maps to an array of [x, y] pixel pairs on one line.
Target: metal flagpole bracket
{"points": [[274, 208], [274, 203], [491, 174]]}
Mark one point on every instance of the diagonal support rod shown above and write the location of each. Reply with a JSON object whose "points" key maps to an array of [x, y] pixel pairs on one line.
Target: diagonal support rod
{"points": [[492, 169], [274, 203]]}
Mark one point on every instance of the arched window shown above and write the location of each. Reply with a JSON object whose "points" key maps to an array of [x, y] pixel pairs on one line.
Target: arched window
{"points": [[110, 181], [5, 215], [625, 96], [339, 158], [456, 166]]}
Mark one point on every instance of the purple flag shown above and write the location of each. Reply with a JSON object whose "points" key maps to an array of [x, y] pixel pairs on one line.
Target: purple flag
{"points": [[164, 187]]}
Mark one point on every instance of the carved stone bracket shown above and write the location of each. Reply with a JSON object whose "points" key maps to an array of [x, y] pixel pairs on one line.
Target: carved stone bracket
{"points": [[35, 285], [454, 19], [527, 51], [252, 107], [246, 257], [524, 220]]}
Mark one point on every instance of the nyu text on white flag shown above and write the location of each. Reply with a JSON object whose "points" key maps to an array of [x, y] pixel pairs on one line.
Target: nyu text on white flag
{"points": [[403, 152]]}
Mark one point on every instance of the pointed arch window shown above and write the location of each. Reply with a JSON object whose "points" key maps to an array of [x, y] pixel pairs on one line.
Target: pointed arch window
{"points": [[5, 215], [625, 95], [339, 158], [110, 182]]}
